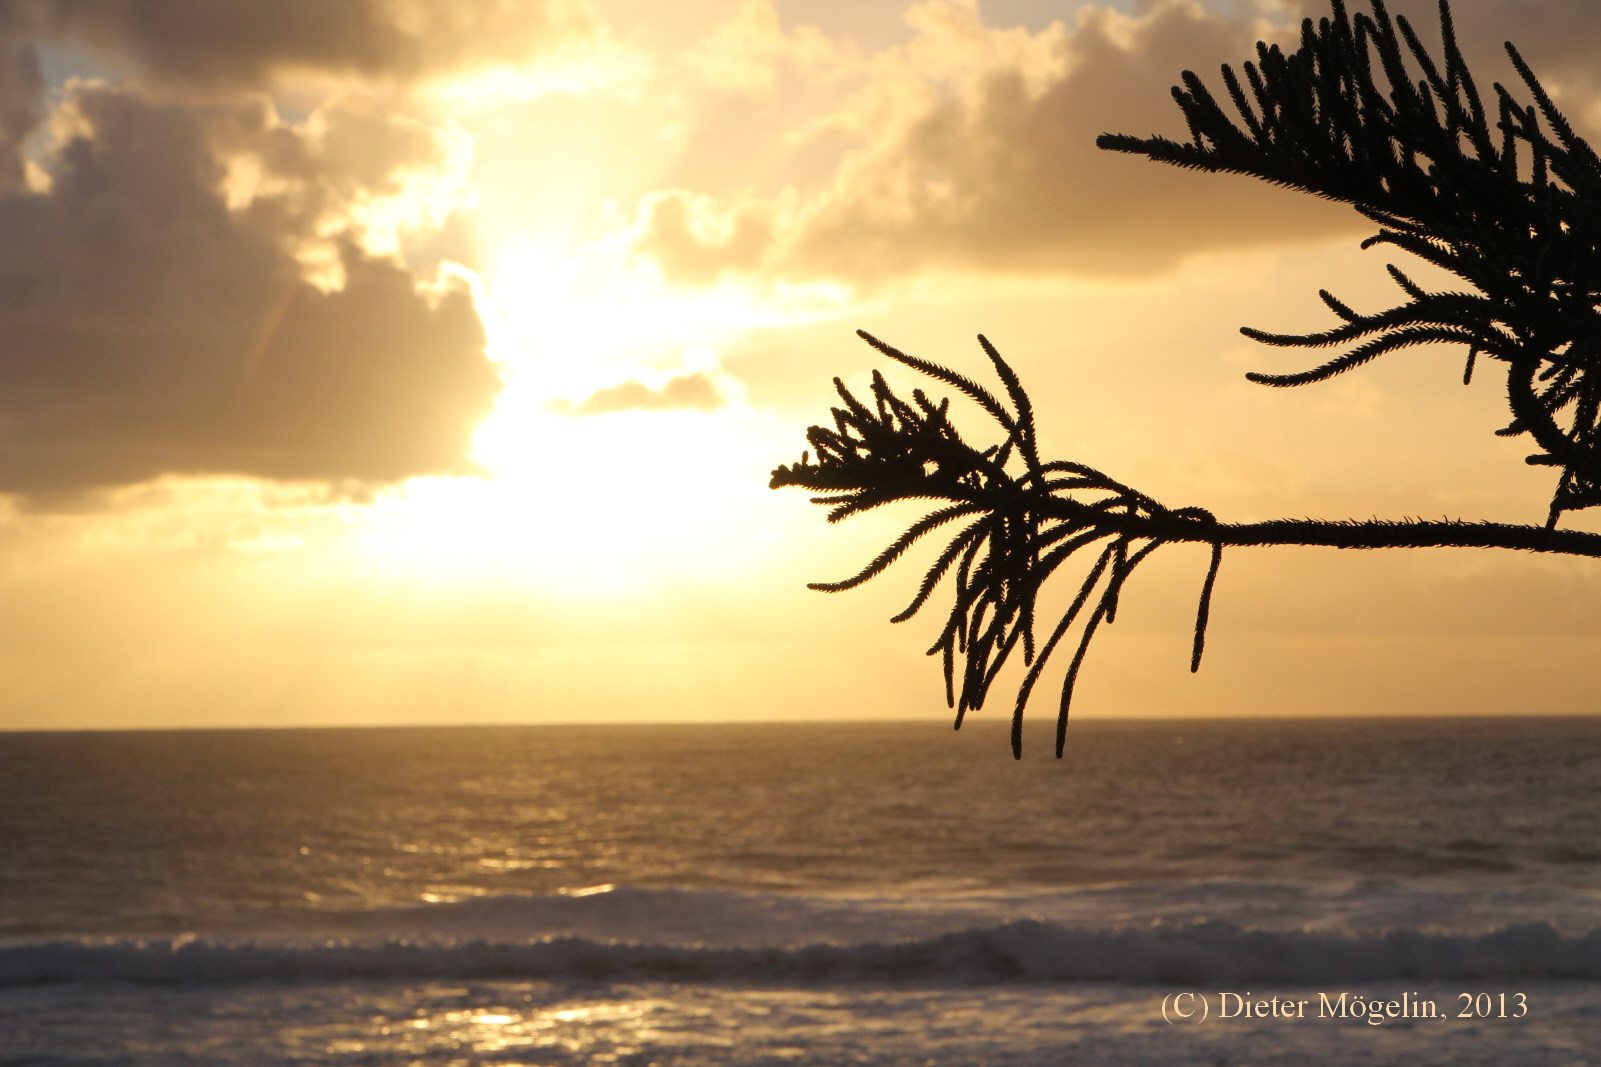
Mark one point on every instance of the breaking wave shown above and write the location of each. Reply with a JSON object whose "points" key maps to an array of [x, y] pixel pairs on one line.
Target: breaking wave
{"points": [[1029, 950]]}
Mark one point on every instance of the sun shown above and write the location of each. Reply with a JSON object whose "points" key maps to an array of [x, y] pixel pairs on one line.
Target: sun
{"points": [[597, 504], [608, 504]]}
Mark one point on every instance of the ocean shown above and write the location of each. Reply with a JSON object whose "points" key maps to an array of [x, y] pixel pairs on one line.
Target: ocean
{"points": [[1328, 892]]}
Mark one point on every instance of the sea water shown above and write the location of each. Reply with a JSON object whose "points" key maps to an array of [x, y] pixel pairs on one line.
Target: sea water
{"points": [[1222, 892]]}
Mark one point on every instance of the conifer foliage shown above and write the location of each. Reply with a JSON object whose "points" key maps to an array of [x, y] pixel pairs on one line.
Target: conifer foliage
{"points": [[1511, 209], [1020, 527]]}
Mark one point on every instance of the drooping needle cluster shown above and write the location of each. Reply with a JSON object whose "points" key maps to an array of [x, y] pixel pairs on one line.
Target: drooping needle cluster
{"points": [[1022, 520]]}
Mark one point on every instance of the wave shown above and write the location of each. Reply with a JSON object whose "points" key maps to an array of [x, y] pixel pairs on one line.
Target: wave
{"points": [[1208, 953], [730, 918]]}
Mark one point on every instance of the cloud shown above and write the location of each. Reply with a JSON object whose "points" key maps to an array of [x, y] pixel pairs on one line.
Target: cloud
{"points": [[973, 148], [695, 392], [22, 107], [246, 42], [205, 290], [698, 383], [1561, 42], [695, 240], [746, 53]]}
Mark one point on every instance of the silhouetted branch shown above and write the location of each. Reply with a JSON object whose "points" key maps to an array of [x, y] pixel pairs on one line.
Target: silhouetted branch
{"points": [[1025, 523], [1420, 159]]}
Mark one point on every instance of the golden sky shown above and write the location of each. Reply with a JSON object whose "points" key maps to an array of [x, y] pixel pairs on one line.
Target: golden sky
{"points": [[397, 361]]}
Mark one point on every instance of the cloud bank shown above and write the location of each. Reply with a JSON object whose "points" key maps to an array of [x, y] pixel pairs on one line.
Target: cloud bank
{"points": [[191, 285], [972, 147], [246, 42], [146, 327]]}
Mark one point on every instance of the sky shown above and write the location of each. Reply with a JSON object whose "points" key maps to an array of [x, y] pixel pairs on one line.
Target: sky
{"points": [[424, 361]]}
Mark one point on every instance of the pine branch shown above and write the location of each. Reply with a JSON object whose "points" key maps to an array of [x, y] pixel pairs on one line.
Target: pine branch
{"points": [[1030, 518], [1419, 158]]}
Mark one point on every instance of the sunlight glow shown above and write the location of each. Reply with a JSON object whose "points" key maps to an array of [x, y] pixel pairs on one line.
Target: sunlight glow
{"points": [[596, 504], [613, 501], [577, 316], [603, 68]]}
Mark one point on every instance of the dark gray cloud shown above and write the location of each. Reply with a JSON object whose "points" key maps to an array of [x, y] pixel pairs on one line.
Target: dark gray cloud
{"points": [[22, 106], [157, 307], [147, 328], [245, 42], [222, 46], [1561, 39]]}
